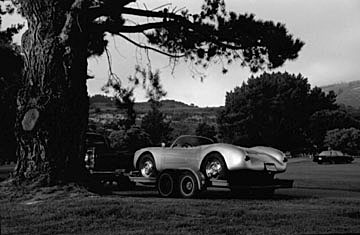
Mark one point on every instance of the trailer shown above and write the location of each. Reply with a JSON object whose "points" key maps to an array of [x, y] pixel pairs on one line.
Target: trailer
{"points": [[187, 183]]}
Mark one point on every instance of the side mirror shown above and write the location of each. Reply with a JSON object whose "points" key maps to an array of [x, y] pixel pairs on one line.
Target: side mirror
{"points": [[163, 145]]}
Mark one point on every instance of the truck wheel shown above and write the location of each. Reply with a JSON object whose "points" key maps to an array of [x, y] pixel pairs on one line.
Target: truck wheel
{"points": [[166, 184], [187, 185], [147, 166]]}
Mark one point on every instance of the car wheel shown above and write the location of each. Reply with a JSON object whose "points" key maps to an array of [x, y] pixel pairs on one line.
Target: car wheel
{"points": [[147, 166], [187, 185], [166, 184], [214, 167]]}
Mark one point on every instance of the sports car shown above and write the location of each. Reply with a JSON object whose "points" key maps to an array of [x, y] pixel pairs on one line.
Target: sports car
{"points": [[213, 160]]}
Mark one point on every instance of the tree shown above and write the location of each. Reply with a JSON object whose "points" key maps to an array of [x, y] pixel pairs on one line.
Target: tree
{"points": [[206, 130], [325, 120], [130, 139], [272, 109], [53, 103], [346, 140], [157, 125]]}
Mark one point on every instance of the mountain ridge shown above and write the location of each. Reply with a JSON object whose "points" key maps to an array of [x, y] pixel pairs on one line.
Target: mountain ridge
{"points": [[348, 94]]}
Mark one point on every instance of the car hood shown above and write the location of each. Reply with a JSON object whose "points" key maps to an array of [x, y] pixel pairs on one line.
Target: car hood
{"points": [[259, 152], [265, 152]]}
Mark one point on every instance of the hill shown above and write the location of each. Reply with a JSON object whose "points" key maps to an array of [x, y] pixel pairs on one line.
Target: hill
{"points": [[105, 103], [347, 93], [184, 118]]}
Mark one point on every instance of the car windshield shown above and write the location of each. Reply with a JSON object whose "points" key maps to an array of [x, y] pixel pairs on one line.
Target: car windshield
{"points": [[331, 153], [191, 141]]}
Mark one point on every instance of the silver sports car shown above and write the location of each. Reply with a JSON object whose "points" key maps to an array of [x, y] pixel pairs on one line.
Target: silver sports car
{"points": [[214, 160]]}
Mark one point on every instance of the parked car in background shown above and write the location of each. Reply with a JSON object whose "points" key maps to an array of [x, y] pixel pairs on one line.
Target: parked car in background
{"points": [[332, 156]]}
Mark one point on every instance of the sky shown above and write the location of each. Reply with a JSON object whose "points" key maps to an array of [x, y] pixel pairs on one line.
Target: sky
{"points": [[329, 28]]}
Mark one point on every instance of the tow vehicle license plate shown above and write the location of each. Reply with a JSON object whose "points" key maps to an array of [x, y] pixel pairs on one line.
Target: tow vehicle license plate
{"points": [[270, 167]]}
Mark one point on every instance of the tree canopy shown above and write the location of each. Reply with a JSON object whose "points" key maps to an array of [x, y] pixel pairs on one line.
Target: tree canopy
{"points": [[212, 34], [206, 130], [323, 121], [272, 109], [347, 140]]}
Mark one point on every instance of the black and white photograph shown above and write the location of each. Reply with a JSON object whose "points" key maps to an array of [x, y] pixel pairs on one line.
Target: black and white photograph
{"points": [[179, 117]]}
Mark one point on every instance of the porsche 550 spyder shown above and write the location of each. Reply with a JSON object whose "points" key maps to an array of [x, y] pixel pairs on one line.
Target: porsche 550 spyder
{"points": [[215, 161]]}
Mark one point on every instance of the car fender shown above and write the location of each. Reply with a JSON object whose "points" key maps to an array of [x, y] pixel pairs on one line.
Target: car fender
{"points": [[234, 157]]}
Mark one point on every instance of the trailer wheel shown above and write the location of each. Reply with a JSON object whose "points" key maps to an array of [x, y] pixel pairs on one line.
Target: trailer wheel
{"points": [[166, 184], [188, 185]]}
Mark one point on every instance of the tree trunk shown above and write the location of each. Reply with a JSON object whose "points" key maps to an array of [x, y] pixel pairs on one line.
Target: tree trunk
{"points": [[52, 103]]}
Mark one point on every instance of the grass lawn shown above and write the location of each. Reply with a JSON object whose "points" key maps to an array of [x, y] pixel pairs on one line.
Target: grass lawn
{"points": [[326, 199]]}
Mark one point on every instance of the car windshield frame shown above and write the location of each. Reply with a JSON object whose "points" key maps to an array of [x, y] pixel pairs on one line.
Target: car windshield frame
{"points": [[191, 141]]}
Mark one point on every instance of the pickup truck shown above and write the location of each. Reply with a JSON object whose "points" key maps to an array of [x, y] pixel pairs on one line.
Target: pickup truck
{"points": [[103, 162]]}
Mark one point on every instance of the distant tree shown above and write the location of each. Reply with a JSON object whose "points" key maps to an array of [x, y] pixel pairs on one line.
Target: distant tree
{"points": [[324, 120], [156, 124], [100, 99], [130, 139], [346, 140], [124, 100], [272, 109], [206, 130]]}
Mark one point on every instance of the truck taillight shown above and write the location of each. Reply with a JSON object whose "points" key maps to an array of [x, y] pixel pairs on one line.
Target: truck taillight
{"points": [[90, 158]]}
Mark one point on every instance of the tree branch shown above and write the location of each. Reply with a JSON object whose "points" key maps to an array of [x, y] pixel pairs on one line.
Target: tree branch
{"points": [[71, 19], [110, 7], [149, 48], [115, 27], [155, 14]]}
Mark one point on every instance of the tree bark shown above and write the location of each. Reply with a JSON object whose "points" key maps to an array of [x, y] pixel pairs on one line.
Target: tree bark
{"points": [[52, 104]]}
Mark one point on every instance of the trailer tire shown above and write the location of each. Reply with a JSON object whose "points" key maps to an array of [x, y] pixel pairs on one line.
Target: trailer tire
{"points": [[166, 184], [188, 186]]}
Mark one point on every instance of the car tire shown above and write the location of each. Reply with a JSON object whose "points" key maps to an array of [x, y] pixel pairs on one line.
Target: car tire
{"points": [[214, 167], [188, 185], [147, 166], [166, 184]]}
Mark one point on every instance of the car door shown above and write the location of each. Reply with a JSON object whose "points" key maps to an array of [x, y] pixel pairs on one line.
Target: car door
{"points": [[180, 157]]}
